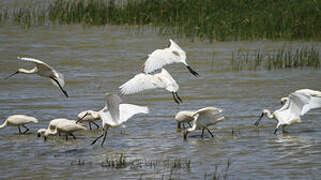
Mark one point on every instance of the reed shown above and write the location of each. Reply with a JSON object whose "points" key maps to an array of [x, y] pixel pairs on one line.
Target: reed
{"points": [[285, 57], [206, 19]]}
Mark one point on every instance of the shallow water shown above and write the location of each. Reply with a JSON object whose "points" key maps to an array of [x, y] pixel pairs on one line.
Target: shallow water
{"points": [[98, 60]]}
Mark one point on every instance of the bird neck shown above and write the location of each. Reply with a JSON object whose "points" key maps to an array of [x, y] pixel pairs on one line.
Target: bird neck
{"points": [[3, 125], [268, 114], [26, 71], [193, 127]]}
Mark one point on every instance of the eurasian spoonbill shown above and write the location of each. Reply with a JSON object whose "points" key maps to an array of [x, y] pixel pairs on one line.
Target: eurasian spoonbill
{"points": [[183, 117], [44, 70], [295, 105], [144, 81], [160, 57], [203, 118], [90, 116], [65, 126], [114, 114], [19, 120]]}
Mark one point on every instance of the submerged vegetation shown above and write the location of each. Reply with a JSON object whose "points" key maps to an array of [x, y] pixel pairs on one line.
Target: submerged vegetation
{"points": [[206, 19], [286, 57]]}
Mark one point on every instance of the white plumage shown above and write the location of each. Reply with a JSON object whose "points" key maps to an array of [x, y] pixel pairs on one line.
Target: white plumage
{"points": [[203, 118], [19, 120], [62, 125], [295, 105], [44, 70], [114, 113], [144, 81], [90, 116], [161, 57]]}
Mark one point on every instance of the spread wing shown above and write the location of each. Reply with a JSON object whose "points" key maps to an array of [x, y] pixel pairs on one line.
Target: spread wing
{"points": [[139, 83], [162, 57], [208, 115], [112, 104], [306, 100], [129, 110], [38, 63]]}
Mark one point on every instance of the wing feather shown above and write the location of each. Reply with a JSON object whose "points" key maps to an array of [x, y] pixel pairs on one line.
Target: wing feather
{"points": [[112, 104], [129, 110], [39, 64], [139, 83]]}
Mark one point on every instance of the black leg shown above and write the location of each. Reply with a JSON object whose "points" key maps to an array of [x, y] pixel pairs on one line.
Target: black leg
{"points": [[59, 134], [209, 132], [276, 129], [72, 135], [27, 129], [202, 132], [95, 124], [62, 89], [102, 143], [89, 125], [19, 129], [66, 137], [97, 139], [183, 125]]}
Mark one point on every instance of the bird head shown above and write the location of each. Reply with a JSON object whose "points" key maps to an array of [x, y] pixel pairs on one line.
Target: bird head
{"points": [[41, 132], [284, 100]]}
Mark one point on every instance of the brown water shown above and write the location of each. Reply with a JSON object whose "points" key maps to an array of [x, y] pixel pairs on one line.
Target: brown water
{"points": [[98, 60]]}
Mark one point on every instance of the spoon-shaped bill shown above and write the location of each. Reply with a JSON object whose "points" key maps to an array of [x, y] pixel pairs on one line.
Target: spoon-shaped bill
{"points": [[258, 121]]}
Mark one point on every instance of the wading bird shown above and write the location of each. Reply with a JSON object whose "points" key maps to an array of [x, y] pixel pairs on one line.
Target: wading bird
{"points": [[203, 118], [161, 57], [183, 117], [44, 70], [114, 114], [295, 105], [90, 116], [64, 126], [19, 120], [144, 81]]}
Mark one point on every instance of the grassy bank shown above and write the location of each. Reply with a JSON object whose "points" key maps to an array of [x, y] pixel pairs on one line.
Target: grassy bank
{"points": [[285, 57], [206, 19]]}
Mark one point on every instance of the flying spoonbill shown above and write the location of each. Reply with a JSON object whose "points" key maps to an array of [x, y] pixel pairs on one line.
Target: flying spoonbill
{"points": [[114, 114], [90, 116], [295, 105], [44, 70], [62, 125], [160, 57], [203, 118], [144, 81], [19, 120]]}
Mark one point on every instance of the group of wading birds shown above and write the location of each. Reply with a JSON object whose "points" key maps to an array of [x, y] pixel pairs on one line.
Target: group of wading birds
{"points": [[115, 113]]}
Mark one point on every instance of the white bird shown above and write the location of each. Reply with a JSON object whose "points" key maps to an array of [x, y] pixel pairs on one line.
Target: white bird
{"points": [[90, 116], [161, 57], [144, 81], [203, 118], [183, 117], [44, 70], [114, 114], [19, 120], [52, 125], [295, 105], [63, 125]]}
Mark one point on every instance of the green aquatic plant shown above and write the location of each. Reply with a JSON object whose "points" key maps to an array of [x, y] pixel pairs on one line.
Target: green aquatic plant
{"points": [[207, 19], [285, 57]]}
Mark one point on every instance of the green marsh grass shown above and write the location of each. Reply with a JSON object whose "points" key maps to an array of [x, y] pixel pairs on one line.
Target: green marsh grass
{"points": [[285, 57], [206, 19]]}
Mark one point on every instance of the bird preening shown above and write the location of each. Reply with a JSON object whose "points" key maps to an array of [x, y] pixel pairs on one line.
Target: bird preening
{"points": [[294, 106], [44, 70]]}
